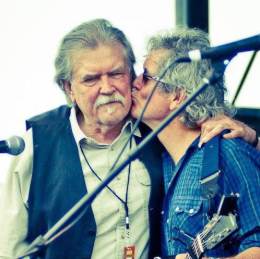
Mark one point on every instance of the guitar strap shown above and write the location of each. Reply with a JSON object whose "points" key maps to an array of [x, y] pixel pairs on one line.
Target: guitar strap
{"points": [[210, 170], [210, 175]]}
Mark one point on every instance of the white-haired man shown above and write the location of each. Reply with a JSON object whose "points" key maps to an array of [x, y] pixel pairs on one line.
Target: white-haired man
{"points": [[186, 208]]}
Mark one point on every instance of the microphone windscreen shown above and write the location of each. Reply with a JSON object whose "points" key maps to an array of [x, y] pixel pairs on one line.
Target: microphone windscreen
{"points": [[16, 145]]}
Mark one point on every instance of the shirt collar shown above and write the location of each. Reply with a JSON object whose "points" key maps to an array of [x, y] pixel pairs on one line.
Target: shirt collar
{"points": [[79, 134]]}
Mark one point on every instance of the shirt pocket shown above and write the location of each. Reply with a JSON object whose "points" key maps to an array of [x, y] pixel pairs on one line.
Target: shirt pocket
{"points": [[186, 213], [140, 174]]}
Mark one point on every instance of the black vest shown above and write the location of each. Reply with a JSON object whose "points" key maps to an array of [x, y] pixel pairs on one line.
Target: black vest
{"points": [[58, 183]]}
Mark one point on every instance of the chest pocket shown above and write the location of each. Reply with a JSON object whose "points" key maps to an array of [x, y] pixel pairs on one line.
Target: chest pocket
{"points": [[187, 214]]}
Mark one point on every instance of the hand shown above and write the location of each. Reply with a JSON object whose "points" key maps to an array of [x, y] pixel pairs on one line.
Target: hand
{"points": [[215, 126]]}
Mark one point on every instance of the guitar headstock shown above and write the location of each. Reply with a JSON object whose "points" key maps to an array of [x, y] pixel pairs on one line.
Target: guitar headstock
{"points": [[219, 228], [222, 225]]}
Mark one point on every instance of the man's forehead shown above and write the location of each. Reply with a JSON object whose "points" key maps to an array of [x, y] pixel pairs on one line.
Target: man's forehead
{"points": [[154, 58], [98, 61], [151, 62], [93, 71]]}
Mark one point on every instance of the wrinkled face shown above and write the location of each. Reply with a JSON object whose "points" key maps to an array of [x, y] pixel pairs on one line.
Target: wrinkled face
{"points": [[158, 107], [101, 85]]}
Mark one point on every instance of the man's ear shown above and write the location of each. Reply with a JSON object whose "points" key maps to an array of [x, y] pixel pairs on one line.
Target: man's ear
{"points": [[68, 90], [177, 98]]}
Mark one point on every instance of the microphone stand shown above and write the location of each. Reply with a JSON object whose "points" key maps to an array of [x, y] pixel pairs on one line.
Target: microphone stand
{"points": [[43, 240]]}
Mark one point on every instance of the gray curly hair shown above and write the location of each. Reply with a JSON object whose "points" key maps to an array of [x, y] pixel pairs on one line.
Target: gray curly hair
{"points": [[89, 35], [188, 76]]}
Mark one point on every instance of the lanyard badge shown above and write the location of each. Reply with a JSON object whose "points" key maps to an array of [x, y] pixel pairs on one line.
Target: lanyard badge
{"points": [[129, 249], [129, 252]]}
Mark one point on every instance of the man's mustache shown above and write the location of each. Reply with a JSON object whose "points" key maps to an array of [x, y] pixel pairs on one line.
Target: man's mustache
{"points": [[105, 99]]}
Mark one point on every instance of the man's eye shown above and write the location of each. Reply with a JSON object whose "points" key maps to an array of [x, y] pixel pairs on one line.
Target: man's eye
{"points": [[90, 81], [116, 75]]}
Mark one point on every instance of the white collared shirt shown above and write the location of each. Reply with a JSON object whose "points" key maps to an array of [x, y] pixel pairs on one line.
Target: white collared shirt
{"points": [[108, 210]]}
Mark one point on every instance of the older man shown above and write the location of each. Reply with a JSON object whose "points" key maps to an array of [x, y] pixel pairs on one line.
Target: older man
{"points": [[186, 207], [70, 151]]}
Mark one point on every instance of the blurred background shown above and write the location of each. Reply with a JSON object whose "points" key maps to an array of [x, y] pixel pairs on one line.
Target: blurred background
{"points": [[32, 29]]}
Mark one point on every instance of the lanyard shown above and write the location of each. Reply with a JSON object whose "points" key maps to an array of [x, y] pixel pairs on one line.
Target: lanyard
{"points": [[124, 202]]}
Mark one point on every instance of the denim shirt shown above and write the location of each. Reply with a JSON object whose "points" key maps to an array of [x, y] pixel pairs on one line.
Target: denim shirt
{"points": [[185, 209]]}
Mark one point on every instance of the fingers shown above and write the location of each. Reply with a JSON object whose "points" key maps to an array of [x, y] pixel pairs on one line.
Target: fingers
{"points": [[250, 135], [241, 130], [215, 126], [208, 132], [211, 128], [233, 134]]}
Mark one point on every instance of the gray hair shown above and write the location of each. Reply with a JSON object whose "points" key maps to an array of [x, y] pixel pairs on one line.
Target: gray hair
{"points": [[188, 76], [89, 35]]}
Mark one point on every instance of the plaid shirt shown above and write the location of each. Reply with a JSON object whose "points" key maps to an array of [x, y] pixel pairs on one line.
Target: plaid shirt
{"points": [[184, 208]]}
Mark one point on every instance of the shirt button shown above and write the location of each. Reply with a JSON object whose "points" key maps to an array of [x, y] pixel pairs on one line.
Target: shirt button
{"points": [[177, 209], [122, 236], [167, 221], [162, 212], [191, 211]]}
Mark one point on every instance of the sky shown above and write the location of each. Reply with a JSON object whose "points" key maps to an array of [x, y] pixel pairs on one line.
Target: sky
{"points": [[32, 29]]}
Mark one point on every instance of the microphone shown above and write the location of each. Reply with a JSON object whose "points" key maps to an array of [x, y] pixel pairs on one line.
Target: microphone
{"points": [[225, 51], [13, 146]]}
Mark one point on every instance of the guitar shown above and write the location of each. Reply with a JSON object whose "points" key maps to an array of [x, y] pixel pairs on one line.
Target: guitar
{"points": [[221, 225], [216, 230]]}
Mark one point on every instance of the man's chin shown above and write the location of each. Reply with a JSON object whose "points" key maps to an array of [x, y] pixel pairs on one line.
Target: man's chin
{"points": [[111, 119]]}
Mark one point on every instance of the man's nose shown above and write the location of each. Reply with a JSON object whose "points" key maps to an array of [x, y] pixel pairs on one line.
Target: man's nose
{"points": [[138, 82], [106, 86]]}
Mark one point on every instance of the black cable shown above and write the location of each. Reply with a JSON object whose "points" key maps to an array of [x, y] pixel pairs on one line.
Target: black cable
{"points": [[244, 77]]}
